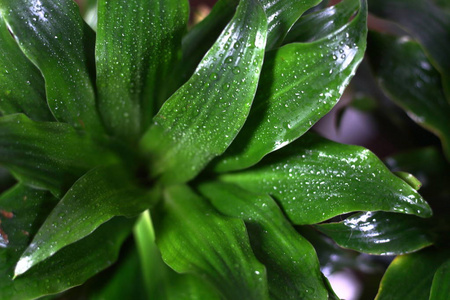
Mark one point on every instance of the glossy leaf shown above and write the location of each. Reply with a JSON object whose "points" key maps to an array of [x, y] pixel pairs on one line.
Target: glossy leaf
{"points": [[380, 233], [299, 84], [409, 277], [202, 118], [407, 76], [291, 262], [53, 36], [194, 238], [72, 265], [440, 289], [49, 155], [22, 88], [101, 194], [315, 179], [137, 44]]}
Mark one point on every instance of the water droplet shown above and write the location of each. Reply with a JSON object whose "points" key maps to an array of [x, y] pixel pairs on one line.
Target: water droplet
{"points": [[236, 70], [213, 76], [229, 59]]}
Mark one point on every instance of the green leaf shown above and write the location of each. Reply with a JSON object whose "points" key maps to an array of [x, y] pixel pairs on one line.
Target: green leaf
{"points": [[49, 155], [380, 233], [72, 265], [292, 265], [53, 36], [101, 194], [202, 118], [194, 238], [299, 84], [22, 88], [315, 179], [134, 58], [440, 289], [409, 277], [410, 80]]}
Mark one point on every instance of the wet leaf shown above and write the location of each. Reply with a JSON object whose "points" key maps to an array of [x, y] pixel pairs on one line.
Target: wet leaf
{"points": [[202, 118], [315, 179]]}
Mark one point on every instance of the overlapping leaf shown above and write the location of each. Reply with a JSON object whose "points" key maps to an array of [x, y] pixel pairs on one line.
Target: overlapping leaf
{"points": [[299, 84], [194, 238], [137, 43], [440, 289], [291, 262], [95, 198], [315, 179], [54, 37], [202, 118], [49, 155]]}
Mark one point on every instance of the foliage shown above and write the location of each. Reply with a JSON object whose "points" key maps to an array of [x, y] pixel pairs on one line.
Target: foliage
{"points": [[182, 162]]}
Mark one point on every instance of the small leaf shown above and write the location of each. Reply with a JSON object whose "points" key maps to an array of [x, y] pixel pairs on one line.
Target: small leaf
{"points": [[409, 179], [380, 233], [291, 262], [53, 36], [133, 59], [95, 198], [315, 179], [22, 88], [49, 155], [409, 277], [299, 84], [194, 238], [440, 289], [202, 118]]}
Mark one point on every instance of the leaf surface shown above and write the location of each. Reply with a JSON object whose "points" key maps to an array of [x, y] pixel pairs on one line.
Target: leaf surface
{"points": [[54, 37], [292, 265], [315, 179], [202, 118], [194, 238], [137, 44], [299, 84], [440, 289], [101, 194]]}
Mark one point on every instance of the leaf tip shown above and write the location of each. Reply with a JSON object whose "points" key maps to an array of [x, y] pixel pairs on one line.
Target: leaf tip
{"points": [[23, 265]]}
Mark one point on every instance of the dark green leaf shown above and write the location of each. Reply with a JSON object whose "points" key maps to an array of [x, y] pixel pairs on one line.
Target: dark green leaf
{"points": [[291, 262], [440, 289], [53, 36], [409, 277], [101, 194], [194, 238], [22, 87], [315, 179], [202, 118], [299, 84], [380, 233], [137, 44], [48, 155], [407, 76]]}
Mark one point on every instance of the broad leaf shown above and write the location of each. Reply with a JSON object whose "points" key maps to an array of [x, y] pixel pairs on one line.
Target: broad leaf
{"points": [[202, 118], [22, 88], [49, 155], [134, 57], [315, 179], [54, 37], [412, 82], [409, 277], [440, 289], [194, 238], [291, 262], [380, 233], [95, 198], [299, 84]]}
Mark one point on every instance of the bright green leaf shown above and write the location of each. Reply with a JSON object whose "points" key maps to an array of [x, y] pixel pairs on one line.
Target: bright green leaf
{"points": [[101, 194], [202, 118], [291, 262], [315, 179], [22, 88], [49, 155], [440, 289], [194, 238], [134, 57], [299, 84], [380, 233]]}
